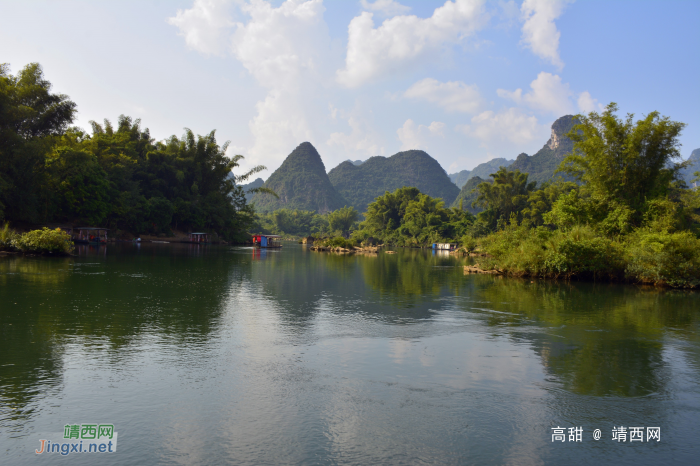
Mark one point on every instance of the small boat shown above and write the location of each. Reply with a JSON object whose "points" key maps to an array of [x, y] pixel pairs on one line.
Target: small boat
{"points": [[89, 235], [267, 241]]}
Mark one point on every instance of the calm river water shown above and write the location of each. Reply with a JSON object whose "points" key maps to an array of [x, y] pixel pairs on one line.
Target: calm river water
{"points": [[224, 355]]}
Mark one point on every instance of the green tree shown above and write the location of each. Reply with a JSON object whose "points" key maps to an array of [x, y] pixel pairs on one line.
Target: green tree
{"points": [[507, 195], [625, 163], [29, 116], [542, 200], [79, 187], [342, 219], [387, 211]]}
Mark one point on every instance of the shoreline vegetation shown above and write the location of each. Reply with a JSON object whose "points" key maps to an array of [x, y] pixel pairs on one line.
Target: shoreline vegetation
{"points": [[619, 212]]}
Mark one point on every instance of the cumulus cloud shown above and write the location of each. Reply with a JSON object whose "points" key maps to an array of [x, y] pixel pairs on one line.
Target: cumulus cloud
{"points": [[511, 129], [360, 139], [539, 33], [206, 26], [405, 41], [278, 45], [453, 96], [282, 48], [385, 7], [548, 94], [587, 104], [414, 136]]}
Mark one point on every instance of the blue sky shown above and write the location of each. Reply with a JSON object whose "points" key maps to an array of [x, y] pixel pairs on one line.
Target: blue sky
{"points": [[464, 80]]}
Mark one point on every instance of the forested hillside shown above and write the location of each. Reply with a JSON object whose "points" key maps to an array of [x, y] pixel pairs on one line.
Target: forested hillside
{"points": [[360, 185], [460, 178], [541, 166], [301, 183], [468, 194]]}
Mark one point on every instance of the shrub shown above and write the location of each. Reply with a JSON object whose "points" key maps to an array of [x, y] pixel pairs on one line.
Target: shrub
{"points": [[7, 237], [340, 242], [581, 253], [518, 250], [662, 258], [337, 242], [45, 241], [469, 243]]}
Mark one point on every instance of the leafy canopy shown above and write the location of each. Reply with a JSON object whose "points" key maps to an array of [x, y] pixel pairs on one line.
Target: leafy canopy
{"points": [[625, 161], [507, 195]]}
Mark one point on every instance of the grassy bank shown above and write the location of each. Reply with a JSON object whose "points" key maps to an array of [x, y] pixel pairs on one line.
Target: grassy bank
{"points": [[645, 256]]}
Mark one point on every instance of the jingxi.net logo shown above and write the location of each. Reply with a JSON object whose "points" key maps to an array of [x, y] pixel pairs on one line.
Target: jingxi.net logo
{"points": [[81, 438]]}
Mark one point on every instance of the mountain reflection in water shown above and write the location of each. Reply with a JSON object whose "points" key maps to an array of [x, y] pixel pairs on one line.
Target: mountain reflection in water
{"points": [[209, 354]]}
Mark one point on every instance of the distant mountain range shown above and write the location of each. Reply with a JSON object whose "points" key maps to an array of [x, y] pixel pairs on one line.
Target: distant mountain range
{"points": [[482, 171], [302, 183], [255, 184], [361, 184]]}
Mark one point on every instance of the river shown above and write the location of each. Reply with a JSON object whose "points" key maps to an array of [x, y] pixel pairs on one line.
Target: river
{"points": [[229, 355]]}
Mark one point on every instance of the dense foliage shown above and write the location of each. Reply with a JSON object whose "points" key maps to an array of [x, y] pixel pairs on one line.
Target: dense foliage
{"points": [[361, 184], [507, 196], [408, 217], [288, 222], [117, 177], [43, 241]]}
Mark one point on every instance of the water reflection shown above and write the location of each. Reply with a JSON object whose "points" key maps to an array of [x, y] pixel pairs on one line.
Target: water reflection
{"points": [[107, 302], [595, 339], [91, 250], [303, 357]]}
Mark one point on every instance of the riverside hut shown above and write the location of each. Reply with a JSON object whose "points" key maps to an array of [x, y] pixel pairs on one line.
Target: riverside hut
{"points": [[87, 235], [198, 238], [445, 246]]}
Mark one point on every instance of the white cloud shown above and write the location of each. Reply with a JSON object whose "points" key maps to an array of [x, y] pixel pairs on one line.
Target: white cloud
{"points": [[205, 26], [415, 137], [333, 111], [360, 142], [405, 41], [280, 48], [548, 94], [277, 45], [511, 129], [284, 49], [385, 7], [587, 104], [539, 32], [453, 96]]}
